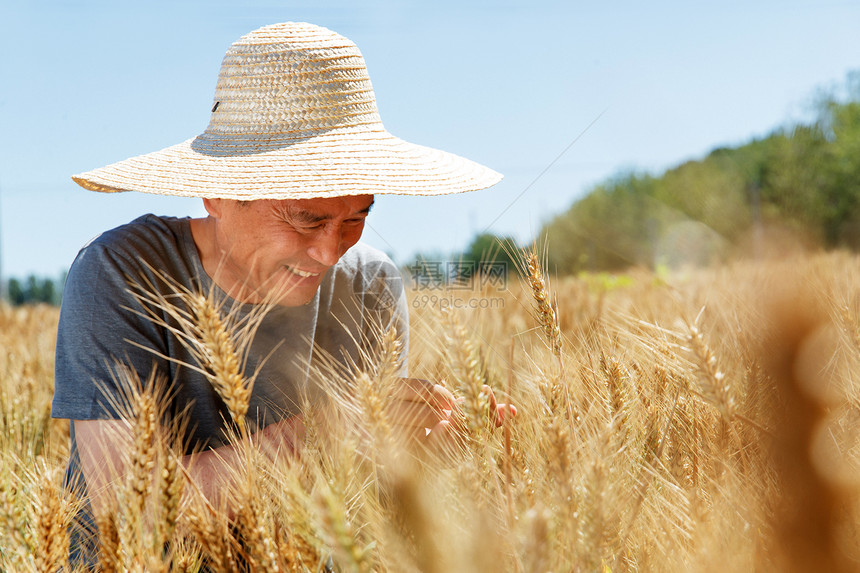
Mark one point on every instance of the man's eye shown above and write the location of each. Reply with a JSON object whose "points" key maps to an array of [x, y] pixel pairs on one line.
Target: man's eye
{"points": [[308, 226]]}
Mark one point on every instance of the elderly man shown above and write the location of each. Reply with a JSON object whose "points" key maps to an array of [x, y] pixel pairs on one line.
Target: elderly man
{"points": [[287, 169]]}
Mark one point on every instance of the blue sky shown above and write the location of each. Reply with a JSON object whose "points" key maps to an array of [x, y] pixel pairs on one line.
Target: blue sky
{"points": [[557, 96]]}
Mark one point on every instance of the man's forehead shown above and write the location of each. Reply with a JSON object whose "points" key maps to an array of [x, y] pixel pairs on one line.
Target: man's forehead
{"points": [[324, 203], [328, 207]]}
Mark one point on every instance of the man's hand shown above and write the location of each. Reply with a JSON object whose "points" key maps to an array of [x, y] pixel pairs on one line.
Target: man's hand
{"points": [[282, 439], [428, 412]]}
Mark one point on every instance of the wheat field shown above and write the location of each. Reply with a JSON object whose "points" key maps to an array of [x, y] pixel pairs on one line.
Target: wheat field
{"points": [[695, 420]]}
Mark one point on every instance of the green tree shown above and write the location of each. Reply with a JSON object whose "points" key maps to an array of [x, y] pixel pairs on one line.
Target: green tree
{"points": [[15, 292], [806, 176], [613, 227], [488, 251], [34, 290], [840, 124]]}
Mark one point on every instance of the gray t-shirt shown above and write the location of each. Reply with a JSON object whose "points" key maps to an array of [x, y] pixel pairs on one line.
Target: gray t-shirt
{"points": [[100, 319]]}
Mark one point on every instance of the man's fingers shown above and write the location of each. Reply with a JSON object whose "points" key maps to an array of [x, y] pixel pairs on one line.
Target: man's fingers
{"points": [[492, 397], [429, 409], [445, 437], [416, 414], [499, 412], [505, 412], [418, 390], [420, 409]]}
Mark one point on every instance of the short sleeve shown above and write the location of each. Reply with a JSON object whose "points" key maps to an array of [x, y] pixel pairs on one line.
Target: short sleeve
{"points": [[97, 321]]}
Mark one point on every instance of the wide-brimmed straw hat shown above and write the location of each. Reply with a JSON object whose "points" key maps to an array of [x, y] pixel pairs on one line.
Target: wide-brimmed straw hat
{"points": [[294, 116]]}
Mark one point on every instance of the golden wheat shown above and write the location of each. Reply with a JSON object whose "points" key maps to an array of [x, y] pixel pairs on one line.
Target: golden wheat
{"points": [[646, 440]]}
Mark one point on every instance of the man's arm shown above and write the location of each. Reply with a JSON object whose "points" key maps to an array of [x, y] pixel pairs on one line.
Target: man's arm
{"points": [[424, 411], [102, 445]]}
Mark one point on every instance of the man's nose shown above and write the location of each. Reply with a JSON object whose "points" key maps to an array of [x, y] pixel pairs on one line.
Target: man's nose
{"points": [[326, 246]]}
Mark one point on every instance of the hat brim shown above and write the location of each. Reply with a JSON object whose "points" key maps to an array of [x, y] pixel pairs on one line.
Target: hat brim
{"points": [[329, 164]]}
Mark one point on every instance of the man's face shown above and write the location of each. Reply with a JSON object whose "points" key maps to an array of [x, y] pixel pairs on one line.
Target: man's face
{"points": [[281, 249]]}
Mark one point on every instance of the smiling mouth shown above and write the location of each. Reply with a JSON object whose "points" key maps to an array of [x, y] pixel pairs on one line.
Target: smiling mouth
{"points": [[303, 274]]}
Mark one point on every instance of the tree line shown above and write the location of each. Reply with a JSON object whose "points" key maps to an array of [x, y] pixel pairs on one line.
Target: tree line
{"points": [[33, 290], [803, 177]]}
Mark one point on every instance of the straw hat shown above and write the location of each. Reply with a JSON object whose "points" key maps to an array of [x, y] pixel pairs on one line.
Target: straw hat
{"points": [[294, 116]]}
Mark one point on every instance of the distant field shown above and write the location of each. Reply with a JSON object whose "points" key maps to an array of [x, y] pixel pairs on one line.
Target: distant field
{"points": [[706, 420]]}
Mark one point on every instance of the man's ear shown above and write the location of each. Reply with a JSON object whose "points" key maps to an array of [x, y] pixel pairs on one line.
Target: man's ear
{"points": [[213, 207]]}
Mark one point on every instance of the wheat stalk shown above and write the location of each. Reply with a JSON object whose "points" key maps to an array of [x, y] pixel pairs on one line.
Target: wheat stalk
{"points": [[470, 382], [108, 541], [52, 518], [252, 523], [220, 357], [211, 531], [339, 531], [712, 381], [171, 486], [547, 316]]}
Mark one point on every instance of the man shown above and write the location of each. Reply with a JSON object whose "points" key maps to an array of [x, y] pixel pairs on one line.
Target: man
{"points": [[287, 169]]}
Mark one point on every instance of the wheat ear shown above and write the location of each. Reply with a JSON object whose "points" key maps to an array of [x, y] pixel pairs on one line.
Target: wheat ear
{"points": [[340, 533], [52, 536], [261, 547], [851, 326], [390, 355], [109, 542], [138, 485], [617, 383], [13, 518], [546, 314], [222, 358], [373, 407], [209, 528], [712, 381], [464, 362], [171, 485]]}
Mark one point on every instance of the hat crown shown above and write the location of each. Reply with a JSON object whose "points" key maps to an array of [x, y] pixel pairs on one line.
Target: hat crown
{"points": [[291, 80]]}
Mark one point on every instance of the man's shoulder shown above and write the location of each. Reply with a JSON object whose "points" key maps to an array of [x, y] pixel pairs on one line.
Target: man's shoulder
{"points": [[360, 255], [369, 276], [363, 264], [147, 237], [146, 246], [146, 229]]}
